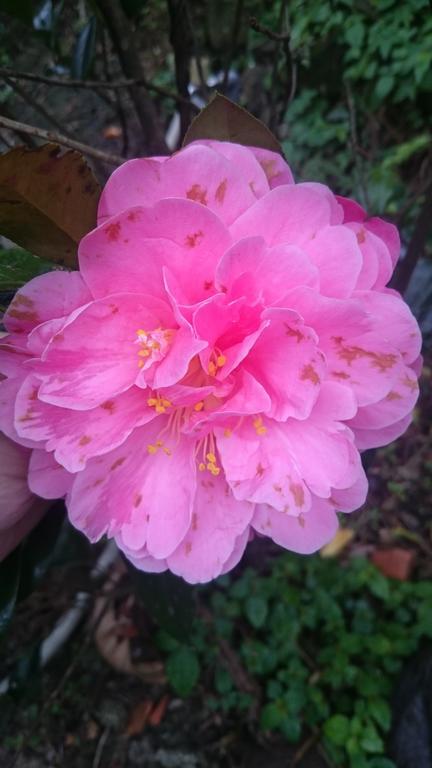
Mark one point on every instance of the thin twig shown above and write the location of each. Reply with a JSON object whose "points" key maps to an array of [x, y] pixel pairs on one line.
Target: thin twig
{"points": [[38, 108], [358, 160], [58, 138], [93, 85], [100, 748], [279, 37]]}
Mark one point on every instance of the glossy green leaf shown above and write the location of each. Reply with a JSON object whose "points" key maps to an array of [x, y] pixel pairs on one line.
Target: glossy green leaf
{"points": [[183, 670], [85, 49], [48, 201], [18, 266], [336, 729], [223, 120]]}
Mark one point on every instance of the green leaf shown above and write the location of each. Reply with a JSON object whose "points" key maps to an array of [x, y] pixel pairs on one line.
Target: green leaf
{"points": [[10, 573], [380, 711], [168, 600], [48, 201], [336, 729], [272, 715], [256, 611], [223, 120], [183, 670], [84, 52], [370, 739], [18, 267], [384, 86]]}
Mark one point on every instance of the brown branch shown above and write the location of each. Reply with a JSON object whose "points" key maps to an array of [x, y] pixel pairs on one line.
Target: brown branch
{"points": [[58, 138], [38, 108], [94, 85], [279, 37], [416, 245], [123, 37]]}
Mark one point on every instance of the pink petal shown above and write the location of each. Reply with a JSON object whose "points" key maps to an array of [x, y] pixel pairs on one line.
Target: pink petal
{"points": [[376, 438], [129, 251], [287, 362], [274, 166], [336, 253], [390, 316], [46, 477], [145, 497], [76, 436], [305, 534], [288, 214], [217, 522], [245, 162], [198, 173], [352, 498], [95, 356], [397, 404], [49, 296]]}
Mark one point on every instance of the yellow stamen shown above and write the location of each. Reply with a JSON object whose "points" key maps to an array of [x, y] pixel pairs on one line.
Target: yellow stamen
{"points": [[152, 448], [221, 360], [211, 457], [199, 406]]}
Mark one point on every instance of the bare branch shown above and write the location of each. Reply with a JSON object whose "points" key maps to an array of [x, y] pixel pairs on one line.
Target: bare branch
{"points": [[38, 108], [58, 138], [94, 85], [279, 37]]}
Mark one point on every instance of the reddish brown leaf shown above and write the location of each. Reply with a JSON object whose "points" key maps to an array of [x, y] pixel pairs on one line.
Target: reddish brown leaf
{"points": [[225, 121], [139, 717], [159, 711], [48, 201], [397, 563]]}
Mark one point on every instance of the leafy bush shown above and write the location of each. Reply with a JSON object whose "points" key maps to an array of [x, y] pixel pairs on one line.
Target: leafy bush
{"points": [[324, 643]]}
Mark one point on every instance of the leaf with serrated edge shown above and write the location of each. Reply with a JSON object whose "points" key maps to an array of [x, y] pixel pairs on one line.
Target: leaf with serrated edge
{"points": [[222, 120], [48, 201]]}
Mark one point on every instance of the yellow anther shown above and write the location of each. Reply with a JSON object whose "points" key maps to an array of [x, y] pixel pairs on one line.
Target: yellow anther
{"points": [[261, 430], [144, 353], [221, 360], [166, 403], [167, 451], [155, 345], [140, 363], [152, 448], [212, 369], [140, 332], [159, 443], [152, 401], [213, 469], [160, 408], [201, 467], [211, 457], [199, 406], [227, 433]]}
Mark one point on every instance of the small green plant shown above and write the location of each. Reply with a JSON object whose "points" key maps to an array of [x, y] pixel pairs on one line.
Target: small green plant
{"points": [[323, 641]]}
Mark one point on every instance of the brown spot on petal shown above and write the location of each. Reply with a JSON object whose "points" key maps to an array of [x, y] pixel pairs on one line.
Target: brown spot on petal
{"points": [[295, 333], [118, 462], [25, 301], [221, 191], [260, 470], [188, 547], [85, 440], [194, 521], [113, 230], [137, 500], [114, 309], [361, 236], [394, 396], [277, 488], [340, 374], [192, 240], [34, 394], [197, 193], [298, 494], [410, 383], [309, 374], [382, 361], [109, 406], [301, 521], [58, 337], [208, 284], [132, 216], [268, 167], [24, 314]]}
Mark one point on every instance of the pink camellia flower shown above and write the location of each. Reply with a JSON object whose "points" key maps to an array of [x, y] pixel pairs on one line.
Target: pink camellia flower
{"points": [[226, 349], [20, 511]]}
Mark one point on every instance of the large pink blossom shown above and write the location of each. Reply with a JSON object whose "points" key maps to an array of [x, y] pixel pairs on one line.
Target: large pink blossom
{"points": [[213, 369]]}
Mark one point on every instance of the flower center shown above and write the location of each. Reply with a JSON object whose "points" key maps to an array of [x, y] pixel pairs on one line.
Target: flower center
{"points": [[153, 346]]}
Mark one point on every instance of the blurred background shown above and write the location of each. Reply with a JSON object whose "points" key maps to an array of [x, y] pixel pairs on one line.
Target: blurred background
{"points": [[287, 662]]}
